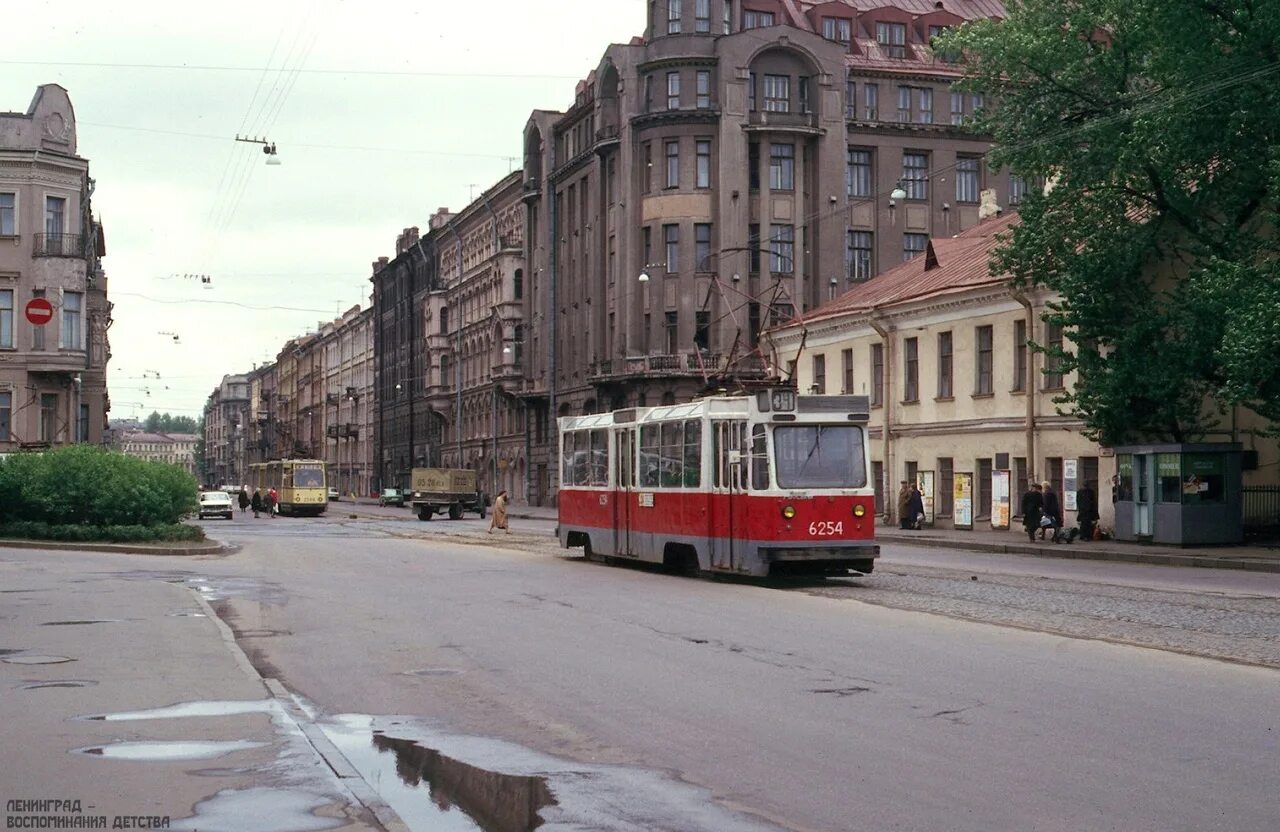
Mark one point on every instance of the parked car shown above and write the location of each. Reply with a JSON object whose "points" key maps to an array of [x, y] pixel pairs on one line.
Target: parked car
{"points": [[333, 493], [391, 497], [215, 504]]}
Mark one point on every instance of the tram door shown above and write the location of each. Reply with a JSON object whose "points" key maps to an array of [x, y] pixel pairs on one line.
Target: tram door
{"points": [[624, 478], [728, 488]]}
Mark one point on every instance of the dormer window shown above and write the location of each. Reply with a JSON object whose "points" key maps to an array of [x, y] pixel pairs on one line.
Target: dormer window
{"points": [[673, 17], [756, 20], [948, 56], [892, 38], [838, 29]]}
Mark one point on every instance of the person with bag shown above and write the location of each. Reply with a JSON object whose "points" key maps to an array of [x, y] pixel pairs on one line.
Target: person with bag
{"points": [[904, 506], [272, 503], [1051, 510], [915, 509], [1032, 504], [1086, 511]]}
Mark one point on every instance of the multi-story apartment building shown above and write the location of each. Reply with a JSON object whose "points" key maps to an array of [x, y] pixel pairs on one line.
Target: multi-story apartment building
{"points": [[170, 448], [52, 375], [225, 415], [262, 427], [741, 163], [347, 344], [407, 432]]}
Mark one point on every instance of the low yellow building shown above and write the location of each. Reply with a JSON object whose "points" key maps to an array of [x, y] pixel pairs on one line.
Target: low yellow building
{"points": [[940, 347]]}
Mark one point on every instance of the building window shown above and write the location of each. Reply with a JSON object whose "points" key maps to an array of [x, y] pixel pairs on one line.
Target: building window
{"points": [[753, 242], [984, 384], [946, 486], [702, 330], [857, 173], [444, 321], [756, 20], [782, 166], [977, 100], [646, 169], [753, 323], [871, 101], [8, 214], [802, 92], [837, 29], [704, 89], [783, 313], [904, 105], [858, 255], [915, 175], [751, 91], [6, 318], [648, 93], [48, 417], [1020, 483], [877, 374], [673, 17], [673, 163], [517, 284], [850, 99], [846, 371], [967, 184], [6, 412], [925, 96], [55, 211], [671, 239], [957, 108], [702, 148], [1052, 361], [819, 385], [753, 166], [71, 336], [911, 369], [982, 490], [777, 93], [82, 425], [892, 38], [37, 332], [727, 23], [673, 90], [913, 244], [702, 246], [945, 356], [673, 333], [702, 16], [1019, 356], [782, 248]]}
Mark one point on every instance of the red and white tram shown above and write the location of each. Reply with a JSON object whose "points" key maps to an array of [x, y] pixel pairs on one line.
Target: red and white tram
{"points": [[764, 484]]}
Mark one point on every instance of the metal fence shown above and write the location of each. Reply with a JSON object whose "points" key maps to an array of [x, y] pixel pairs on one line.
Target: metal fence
{"points": [[1262, 511]]}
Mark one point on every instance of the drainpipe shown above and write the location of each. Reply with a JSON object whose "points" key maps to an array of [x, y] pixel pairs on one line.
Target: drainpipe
{"points": [[883, 329], [1030, 382]]}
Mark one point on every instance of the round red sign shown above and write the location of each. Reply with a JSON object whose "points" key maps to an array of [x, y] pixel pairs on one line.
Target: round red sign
{"points": [[39, 311]]}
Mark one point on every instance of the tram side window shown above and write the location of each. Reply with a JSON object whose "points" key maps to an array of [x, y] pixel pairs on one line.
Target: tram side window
{"points": [[759, 459], [692, 474], [650, 456], [599, 458], [566, 458], [672, 454]]}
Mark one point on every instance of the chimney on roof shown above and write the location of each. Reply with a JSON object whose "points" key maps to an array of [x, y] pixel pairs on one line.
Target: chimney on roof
{"points": [[380, 264], [987, 205], [439, 218]]}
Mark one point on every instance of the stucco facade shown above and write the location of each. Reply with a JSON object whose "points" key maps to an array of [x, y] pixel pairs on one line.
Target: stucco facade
{"points": [[169, 448], [52, 376], [348, 400]]}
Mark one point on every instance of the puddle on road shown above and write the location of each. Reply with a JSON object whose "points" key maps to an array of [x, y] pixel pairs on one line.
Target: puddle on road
{"points": [[433, 671], [36, 659], [184, 710], [262, 810], [62, 683], [430, 791], [169, 750], [80, 623], [187, 615]]}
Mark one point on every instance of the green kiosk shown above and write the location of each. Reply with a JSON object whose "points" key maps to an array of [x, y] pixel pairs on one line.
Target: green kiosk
{"points": [[1179, 494]]}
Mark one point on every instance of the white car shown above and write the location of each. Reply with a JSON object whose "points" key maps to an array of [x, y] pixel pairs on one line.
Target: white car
{"points": [[215, 504], [333, 493]]}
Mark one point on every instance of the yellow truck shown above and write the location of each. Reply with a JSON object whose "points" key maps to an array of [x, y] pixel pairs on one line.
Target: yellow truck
{"points": [[451, 490]]}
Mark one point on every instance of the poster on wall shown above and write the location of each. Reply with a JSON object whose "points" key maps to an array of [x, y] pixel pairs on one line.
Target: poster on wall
{"points": [[963, 505], [1000, 502], [1070, 472], [924, 481]]}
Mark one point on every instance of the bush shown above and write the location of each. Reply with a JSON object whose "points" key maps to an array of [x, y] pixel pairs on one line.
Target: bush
{"points": [[39, 530], [85, 485]]}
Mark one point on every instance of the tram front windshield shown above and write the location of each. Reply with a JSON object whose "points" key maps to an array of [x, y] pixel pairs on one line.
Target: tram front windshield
{"points": [[820, 456], [308, 478]]}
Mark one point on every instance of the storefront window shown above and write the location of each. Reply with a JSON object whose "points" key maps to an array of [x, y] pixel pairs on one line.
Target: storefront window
{"points": [[1203, 478], [1123, 487], [1168, 478]]}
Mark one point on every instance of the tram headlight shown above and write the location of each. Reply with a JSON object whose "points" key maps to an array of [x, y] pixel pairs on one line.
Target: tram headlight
{"points": [[859, 510], [788, 512]]}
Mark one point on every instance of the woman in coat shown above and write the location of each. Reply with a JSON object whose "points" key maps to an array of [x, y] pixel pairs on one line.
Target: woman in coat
{"points": [[1051, 509], [256, 502], [915, 509], [244, 499], [1032, 506], [499, 520]]}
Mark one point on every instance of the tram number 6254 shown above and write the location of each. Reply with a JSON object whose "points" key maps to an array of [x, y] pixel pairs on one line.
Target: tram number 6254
{"points": [[826, 528]]}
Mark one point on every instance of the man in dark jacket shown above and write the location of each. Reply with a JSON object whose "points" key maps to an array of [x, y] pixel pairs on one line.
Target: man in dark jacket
{"points": [[1052, 509], [1032, 505], [915, 508], [1086, 511]]}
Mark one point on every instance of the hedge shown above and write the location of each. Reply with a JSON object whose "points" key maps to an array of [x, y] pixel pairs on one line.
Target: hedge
{"points": [[89, 486], [37, 530]]}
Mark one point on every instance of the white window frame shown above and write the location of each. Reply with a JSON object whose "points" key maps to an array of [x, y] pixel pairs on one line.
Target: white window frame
{"points": [[859, 254], [703, 175], [968, 179], [6, 319], [14, 214], [702, 89], [859, 172], [674, 13], [915, 178], [673, 90], [71, 321], [777, 93], [782, 166], [702, 16]]}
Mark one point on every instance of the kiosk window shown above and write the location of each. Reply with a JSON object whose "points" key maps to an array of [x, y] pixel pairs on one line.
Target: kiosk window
{"points": [[1168, 478], [1204, 478]]}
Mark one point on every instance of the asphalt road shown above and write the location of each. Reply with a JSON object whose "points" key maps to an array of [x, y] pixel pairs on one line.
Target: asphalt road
{"points": [[885, 703]]}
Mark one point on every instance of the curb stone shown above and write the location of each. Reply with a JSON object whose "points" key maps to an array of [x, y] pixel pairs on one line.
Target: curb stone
{"points": [[211, 547]]}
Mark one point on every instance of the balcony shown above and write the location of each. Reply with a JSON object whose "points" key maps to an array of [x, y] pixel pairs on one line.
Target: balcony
{"points": [[792, 122], [511, 242], [607, 137], [332, 398], [58, 245], [687, 365]]}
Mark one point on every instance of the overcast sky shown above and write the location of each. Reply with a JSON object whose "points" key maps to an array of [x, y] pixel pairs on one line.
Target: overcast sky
{"points": [[364, 154]]}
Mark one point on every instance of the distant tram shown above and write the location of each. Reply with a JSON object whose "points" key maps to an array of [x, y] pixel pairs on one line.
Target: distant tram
{"points": [[299, 483], [765, 484]]}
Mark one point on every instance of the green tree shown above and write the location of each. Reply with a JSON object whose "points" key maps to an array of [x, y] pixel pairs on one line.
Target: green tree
{"points": [[168, 423], [1156, 124]]}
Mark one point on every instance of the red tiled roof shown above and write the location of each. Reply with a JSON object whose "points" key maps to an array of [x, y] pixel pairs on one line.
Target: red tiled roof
{"points": [[968, 9], [962, 263]]}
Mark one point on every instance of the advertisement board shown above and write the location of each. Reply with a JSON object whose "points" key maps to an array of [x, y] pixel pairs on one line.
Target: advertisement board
{"points": [[1070, 484], [963, 500], [1000, 501]]}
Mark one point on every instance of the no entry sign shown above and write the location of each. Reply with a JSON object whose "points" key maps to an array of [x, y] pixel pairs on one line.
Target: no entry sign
{"points": [[39, 311]]}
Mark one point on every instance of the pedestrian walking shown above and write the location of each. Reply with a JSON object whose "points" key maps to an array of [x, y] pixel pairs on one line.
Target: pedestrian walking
{"points": [[915, 508], [1086, 511], [256, 502], [272, 503], [244, 499], [499, 518], [1032, 507], [904, 506], [1052, 511]]}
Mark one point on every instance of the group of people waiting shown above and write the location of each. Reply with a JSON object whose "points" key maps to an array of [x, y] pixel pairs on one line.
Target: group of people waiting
{"points": [[1042, 514], [259, 502]]}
